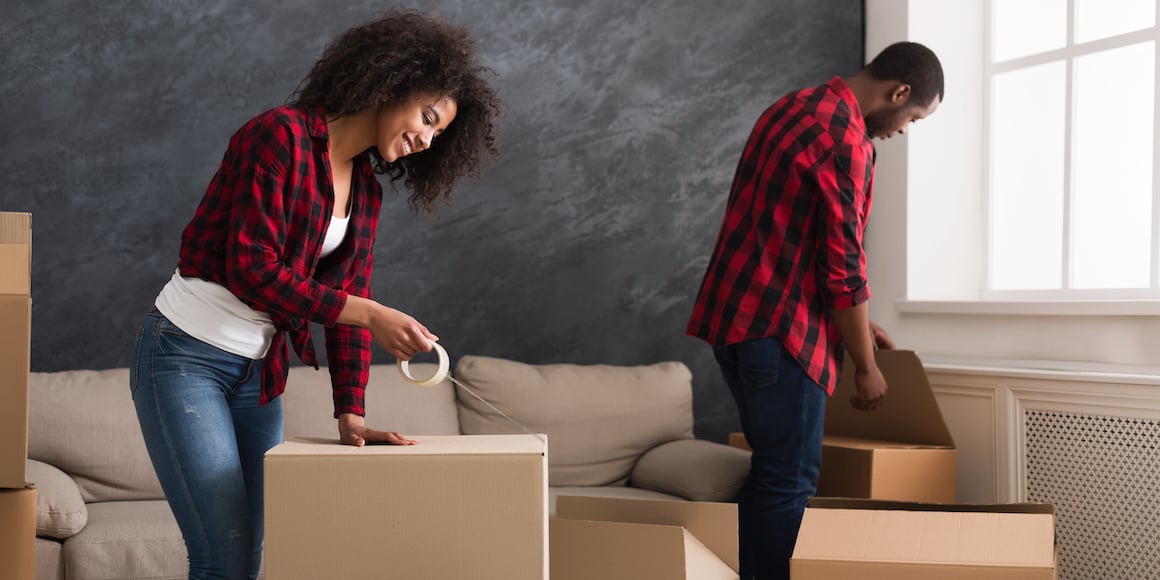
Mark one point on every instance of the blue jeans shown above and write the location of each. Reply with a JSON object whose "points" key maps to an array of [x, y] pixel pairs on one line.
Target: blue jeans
{"points": [[206, 435], [782, 413]]}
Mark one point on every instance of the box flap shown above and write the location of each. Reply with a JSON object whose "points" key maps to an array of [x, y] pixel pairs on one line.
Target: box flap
{"points": [[927, 537], [586, 549], [714, 524], [910, 413], [15, 253], [881, 504]]}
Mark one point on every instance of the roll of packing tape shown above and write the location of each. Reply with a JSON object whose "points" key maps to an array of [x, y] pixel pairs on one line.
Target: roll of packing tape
{"points": [[440, 373]]}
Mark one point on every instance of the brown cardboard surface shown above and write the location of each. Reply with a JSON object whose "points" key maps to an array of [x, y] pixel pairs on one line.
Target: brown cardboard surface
{"points": [[18, 533], [910, 413], [586, 549], [15, 253], [714, 524], [864, 469], [452, 507], [851, 539], [15, 333]]}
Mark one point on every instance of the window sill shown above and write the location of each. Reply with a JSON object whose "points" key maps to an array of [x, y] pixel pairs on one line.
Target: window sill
{"points": [[1140, 307]]}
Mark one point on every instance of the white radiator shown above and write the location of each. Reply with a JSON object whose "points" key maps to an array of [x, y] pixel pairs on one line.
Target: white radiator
{"points": [[1087, 442]]}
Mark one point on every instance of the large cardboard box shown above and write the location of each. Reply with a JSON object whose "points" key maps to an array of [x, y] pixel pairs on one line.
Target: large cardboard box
{"points": [[856, 539], [471, 507], [17, 533], [15, 338], [900, 451], [637, 539]]}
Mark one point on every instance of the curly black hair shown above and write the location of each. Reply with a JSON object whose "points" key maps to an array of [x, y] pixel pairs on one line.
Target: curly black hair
{"points": [[388, 60]]}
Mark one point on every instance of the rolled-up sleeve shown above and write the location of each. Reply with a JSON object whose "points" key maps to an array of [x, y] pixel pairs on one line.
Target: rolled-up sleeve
{"points": [[843, 182]]}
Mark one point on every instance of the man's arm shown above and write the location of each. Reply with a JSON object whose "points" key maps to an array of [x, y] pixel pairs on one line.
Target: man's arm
{"points": [[854, 326]]}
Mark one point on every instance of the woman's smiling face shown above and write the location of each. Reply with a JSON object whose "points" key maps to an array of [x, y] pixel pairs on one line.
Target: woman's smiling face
{"points": [[409, 126]]}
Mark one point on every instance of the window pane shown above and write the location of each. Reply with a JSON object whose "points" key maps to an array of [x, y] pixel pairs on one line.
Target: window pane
{"points": [[1027, 118], [1111, 194], [1096, 19], [1023, 27]]}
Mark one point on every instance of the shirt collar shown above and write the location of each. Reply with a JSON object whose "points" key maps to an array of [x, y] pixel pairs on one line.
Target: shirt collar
{"points": [[845, 93], [316, 122]]}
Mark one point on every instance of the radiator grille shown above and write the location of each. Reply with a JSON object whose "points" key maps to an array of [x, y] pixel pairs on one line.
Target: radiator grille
{"points": [[1103, 475]]}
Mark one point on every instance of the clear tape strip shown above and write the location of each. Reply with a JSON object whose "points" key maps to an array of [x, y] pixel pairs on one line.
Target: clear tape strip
{"points": [[463, 386]]}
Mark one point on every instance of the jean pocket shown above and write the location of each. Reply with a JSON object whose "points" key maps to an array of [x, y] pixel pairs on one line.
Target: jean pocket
{"points": [[135, 361], [757, 362]]}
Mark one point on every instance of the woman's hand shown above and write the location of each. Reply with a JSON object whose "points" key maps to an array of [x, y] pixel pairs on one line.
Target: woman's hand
{"points": [[352, 430], [400, 334], [395, 331]]}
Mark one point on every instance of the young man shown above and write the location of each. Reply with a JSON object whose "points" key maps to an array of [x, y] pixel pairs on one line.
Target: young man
{"points": [[786, 290]]}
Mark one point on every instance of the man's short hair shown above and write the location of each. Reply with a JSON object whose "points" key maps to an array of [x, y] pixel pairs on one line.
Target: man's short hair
{"points": [[913, 64]]}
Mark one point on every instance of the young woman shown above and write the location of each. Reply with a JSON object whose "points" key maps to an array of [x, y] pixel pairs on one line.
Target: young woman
{"points": [[283, 237]]}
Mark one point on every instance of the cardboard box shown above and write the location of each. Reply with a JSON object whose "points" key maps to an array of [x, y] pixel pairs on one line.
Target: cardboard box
{"points": [[856, 539], [15, 340], [617, 538], [18, 533], [471, 507], [900, 451]]}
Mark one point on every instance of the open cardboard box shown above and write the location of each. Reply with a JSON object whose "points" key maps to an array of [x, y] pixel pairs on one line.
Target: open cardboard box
{"points": [[844, 539], [900, 451], [639, 539], [15, 339]]}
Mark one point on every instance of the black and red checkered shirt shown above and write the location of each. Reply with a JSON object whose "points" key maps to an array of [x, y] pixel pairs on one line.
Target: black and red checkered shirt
{"points": [[790, 249], [259, 230]]}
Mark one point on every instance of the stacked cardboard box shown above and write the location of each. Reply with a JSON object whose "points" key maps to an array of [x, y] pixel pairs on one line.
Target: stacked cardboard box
{"points": [[17, 500], [471, 507], [900, 451], [611, 538]]}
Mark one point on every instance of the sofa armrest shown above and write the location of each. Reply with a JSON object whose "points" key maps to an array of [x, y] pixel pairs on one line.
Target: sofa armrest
{"points": [[60, 510], [693, 469]]}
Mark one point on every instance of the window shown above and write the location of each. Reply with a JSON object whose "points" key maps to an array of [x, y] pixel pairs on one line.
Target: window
{"points": [[1073, 205]]}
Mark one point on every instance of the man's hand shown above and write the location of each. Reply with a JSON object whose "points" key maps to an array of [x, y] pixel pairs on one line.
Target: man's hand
{"points": [[352, 430], [871, 386], [881, 339]]}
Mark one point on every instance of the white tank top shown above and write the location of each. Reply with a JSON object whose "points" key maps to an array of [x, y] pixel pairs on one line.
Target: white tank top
{"points": [[211, 313]]}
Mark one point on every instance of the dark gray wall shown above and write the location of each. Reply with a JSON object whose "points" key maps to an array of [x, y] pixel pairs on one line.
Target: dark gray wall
{"points": [[585, 243]]}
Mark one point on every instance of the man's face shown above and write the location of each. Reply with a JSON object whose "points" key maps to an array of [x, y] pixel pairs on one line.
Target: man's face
{"points": [[886, 123]]}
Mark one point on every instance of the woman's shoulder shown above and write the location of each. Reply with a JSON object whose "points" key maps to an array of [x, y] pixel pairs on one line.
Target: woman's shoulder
{"points": [[291, 119]]}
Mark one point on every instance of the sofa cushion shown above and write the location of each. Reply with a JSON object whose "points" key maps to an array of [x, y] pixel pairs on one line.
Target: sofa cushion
{"points": [[127, 540], [392, 404], [60, 510], [693, 469], [84, 423], [598, 418]]}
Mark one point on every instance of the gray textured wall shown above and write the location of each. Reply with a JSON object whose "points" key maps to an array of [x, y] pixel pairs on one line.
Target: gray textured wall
{"points": [[585, 243]]}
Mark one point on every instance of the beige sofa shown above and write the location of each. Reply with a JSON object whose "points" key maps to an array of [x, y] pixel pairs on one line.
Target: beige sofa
{"points": [[612, 431]]}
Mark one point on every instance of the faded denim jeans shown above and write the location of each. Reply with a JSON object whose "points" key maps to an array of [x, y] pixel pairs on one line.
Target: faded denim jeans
{"points": [[207, 436]]}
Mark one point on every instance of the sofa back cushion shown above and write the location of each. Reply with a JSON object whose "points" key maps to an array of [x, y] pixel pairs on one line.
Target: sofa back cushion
{"points": [[84, 423], [392, 404], [599, 418]]}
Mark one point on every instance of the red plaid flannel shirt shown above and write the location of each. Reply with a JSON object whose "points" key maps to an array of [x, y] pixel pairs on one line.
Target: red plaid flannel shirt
{"points": [[259, 230], [790, 249]]}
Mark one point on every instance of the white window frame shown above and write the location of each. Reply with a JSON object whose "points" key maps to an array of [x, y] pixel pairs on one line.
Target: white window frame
{"points": [[1068, 54]]}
